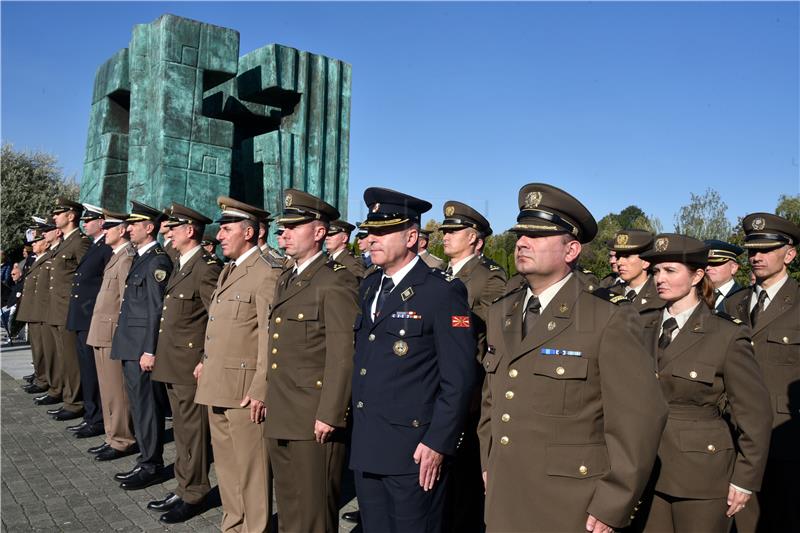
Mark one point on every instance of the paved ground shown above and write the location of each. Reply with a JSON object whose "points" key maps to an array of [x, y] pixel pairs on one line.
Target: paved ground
{"points": [[50, 483]]}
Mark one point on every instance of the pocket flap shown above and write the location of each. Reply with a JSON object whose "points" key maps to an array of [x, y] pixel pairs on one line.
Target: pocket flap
{"points": [[309, 377], [404, 327], [137, 322], [408, 415], [695, 372], [240, 296], [239, 364], [303, 314], [577, 460], [784, 336], [707, 441], [185, 295], [561, 366]]}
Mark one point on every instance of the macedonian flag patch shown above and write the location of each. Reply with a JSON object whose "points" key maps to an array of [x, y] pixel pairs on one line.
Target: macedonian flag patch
{"points": [[459, 321]]}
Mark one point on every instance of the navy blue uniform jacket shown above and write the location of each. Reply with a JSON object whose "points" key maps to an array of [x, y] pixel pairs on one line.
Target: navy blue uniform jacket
{"points": [[86, 285], [414, 371], [140, 315]]}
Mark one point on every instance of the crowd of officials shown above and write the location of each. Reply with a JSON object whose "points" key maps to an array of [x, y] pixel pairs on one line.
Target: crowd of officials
{"points": [[664, 397]]}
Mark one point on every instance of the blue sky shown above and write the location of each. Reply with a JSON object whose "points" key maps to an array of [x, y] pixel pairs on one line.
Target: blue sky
{"points": [[618, 103]]}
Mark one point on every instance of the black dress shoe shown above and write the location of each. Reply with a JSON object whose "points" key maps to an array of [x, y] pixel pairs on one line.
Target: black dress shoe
{"points": [[65, 415], [109, 454], [77, 427], [143, 479], [122, 476], [97, 449], [33, 388], [352, 516], [169, 501], [55, 411], [90, 430], [46, 399], [181, 513], [29, 378]]}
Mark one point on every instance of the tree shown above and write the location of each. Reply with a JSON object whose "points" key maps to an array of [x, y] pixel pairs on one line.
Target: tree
{"points": [[30, 182], [789, 207], [704, 217]]}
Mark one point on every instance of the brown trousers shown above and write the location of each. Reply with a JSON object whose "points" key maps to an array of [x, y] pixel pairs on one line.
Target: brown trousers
{"points": [[49, 355], [114, 399], [242, 466], [683, 515], [308, 480], [190, 427], [67, 371], [35, 334]]}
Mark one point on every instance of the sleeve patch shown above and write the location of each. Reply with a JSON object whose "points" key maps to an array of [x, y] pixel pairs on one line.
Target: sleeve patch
{"points": [[459, 321]]}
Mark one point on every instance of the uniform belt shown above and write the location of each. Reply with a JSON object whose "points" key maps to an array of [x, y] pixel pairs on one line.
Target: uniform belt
{"points": [[694, 411]]}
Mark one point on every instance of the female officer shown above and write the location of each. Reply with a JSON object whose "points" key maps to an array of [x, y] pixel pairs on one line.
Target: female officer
{"points": [[702, 360]]}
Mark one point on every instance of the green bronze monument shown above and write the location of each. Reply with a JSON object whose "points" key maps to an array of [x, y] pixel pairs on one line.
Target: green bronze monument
{"points": [[179, 116]]}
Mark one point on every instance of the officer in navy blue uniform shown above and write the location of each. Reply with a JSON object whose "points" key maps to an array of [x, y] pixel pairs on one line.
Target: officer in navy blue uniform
{"points": [[413, 373], [85, 286], [135, 343]]}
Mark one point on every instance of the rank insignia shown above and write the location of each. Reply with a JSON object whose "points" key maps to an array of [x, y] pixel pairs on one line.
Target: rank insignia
{"points": [[551, 325], [406, 294], [459, 321], [400, 348], [337, 267], [160, 275]]}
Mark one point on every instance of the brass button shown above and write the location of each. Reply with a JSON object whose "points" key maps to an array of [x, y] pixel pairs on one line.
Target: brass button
{"points": [[415, 423], [237, 296], [318, 384], [752, 343], [711, 448], [211, 318], [164, 308], [218, 300], [274, 350], [162, 319], [504, 440], [300, 316], [161, 331], [363, 372], [693, 374], [274, 366], [275, 335], [167, 294], [242, 365], [371, 336], [583, 470], [126, 286], [786, 340], [180, 296], [560, 370], [513, 373], [278, 320], [506, 417], [359, 405], [509, 394]]}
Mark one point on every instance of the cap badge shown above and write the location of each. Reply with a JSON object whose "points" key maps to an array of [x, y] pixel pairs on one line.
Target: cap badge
{"points": [[622, 239], [759, 223], [533, 199], [376, 207], [287, 202], [449, 211], [662, 244]]}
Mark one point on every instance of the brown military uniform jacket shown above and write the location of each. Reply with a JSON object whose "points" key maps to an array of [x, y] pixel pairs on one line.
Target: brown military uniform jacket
{"points": [[64, 261], [29, 308], [311, 349], [709, 360], [171, 251], [354, 266], [776, 341], [109, 299], [647, 299], [485, 283], [235, 358], [432, 261], [184, 316], [572, 414]]}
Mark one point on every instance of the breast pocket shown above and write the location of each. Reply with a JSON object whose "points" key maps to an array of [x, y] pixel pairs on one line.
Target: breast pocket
{"points": [[559, 384], [110, 283], [304, 320], [185, 300], [239, 304], [783, 346], [695, 372]]}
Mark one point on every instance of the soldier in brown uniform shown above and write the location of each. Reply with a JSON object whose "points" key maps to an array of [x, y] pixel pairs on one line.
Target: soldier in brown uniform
{"points": [[336, 243], [707, 468], [612, 280], [772, 308], [41, 303], [570, 423], [166, 232], [311, 360], [639, 286], [64, 259], [28, 311], [119, 440], [231, 378], [464, 231], [179, 350], [427, 257]]}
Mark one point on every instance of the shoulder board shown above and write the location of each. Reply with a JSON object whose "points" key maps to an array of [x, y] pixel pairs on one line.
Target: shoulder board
{"points": [[492, 267], [336, 267], [441, 274], [607, 295], [509, 293], [586, 271], [158, 250], [211, 259], [728, 317], [274, 253], [270, 260]]}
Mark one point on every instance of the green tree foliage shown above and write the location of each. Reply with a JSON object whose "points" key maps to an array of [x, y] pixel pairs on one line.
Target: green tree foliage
{"points": [[704, 217], [30, 182]]}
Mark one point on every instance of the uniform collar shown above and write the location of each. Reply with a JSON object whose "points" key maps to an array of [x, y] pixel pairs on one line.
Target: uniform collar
{"points": [[458, 266], [242, 258], [548, 294], [144, 249]]}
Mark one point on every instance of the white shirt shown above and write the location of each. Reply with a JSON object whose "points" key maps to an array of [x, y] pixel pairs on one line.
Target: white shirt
{"points": [[397, 277], [143, 249], [69, 233], [724, 289], [245, 255], [184, 258], [458, 266], [636, 289], [334, 255], [298, 269], [95, 239], [771, 293], [681, 318], [546, 296]]}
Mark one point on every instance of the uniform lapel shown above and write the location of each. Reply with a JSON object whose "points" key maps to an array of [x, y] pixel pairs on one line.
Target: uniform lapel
{"points": [[651, 331], [238, 272], [287, 289], [403, 292], [466, 271], [690, 334], [782, 302], [180, 274], [512, 320]]}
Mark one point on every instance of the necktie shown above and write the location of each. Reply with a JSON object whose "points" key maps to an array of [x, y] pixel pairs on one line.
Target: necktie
{"points": [[386, 287], [531, 314], [631, 295], [228, 271], [759, 307], [449, 270], [667, 328]]}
